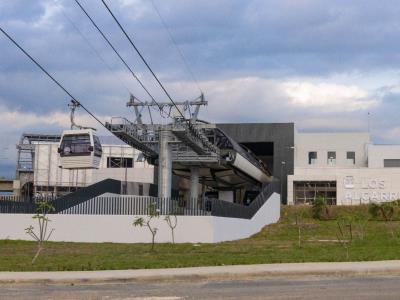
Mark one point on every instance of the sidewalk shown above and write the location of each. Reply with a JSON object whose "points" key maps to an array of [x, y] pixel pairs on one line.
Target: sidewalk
{"points": [[207, 273]]}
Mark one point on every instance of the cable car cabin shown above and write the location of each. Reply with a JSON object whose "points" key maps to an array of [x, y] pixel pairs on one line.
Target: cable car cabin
{"points": [[79, 149]]}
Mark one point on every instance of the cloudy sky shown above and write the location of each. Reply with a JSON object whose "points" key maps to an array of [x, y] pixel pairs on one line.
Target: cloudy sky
{"points": [[321, 64]]}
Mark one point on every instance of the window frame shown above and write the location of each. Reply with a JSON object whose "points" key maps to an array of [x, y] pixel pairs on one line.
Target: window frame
{"points": [[76, 144], [329, 162], [353, 163], [310, 159], [124, 162], [97, 149], [391, 163]]}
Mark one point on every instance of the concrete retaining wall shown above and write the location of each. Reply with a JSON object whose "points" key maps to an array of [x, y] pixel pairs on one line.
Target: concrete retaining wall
{"points": [[119, 229]]}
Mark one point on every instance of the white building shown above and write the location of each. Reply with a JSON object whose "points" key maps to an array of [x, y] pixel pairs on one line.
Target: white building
{"points": [[119, 161], [345, 168]]}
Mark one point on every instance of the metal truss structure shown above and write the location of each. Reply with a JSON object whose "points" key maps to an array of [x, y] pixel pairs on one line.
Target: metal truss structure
{"points": [[187, 147], [26, 156]]}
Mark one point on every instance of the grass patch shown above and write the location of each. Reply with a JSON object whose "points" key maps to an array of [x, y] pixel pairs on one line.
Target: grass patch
{"points": [[276, 243]]}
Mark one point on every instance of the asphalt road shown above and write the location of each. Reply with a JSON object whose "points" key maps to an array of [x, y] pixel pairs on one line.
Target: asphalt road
{"points": [[296, 288]]}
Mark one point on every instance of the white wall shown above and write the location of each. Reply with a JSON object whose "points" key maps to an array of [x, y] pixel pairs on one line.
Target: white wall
{"points": [[48, 173], [324, 142], [227, 229], [354, 186], [377, 154], [119, 229], [145, 175]]}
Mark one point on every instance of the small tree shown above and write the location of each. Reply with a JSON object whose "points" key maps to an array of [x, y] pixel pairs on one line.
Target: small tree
{"points": [[299, 217], [172, 221], [153, 213], [345, 232], [386, 211], [360, 222], [42, 236]]}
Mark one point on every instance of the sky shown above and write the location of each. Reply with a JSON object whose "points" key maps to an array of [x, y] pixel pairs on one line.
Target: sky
{"points": [[325, 65]]}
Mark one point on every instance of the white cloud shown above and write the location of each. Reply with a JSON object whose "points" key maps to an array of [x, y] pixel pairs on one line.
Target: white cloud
{"points": [[334, 123], [135, 9], [392, 134], [52, 9], [18, 120], [21, 120], [254, 99], [328, 97]]}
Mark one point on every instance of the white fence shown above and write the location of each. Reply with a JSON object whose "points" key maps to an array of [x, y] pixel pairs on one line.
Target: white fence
{"points": [[119, 228]]}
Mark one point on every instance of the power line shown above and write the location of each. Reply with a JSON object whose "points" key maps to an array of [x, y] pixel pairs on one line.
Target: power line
{"points": [[103, 60], [142, 58], [50, 76], [91, 46], [117, 53], [184, 60]]}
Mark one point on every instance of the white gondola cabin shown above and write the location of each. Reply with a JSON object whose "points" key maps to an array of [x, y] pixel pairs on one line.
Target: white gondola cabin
{"points": [[79, 149]]}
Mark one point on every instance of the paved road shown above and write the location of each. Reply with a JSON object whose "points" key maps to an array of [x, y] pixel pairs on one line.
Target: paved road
{"points": [[304, 288]]}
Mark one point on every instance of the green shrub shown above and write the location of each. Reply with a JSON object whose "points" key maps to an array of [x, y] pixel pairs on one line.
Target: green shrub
{"points": [[320, 209], [374, 210], [383, 211]]}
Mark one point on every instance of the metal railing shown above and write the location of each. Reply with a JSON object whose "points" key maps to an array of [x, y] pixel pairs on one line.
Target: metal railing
{"points": [[233, 210], [139, 205], [105, 205], [135, 205]]}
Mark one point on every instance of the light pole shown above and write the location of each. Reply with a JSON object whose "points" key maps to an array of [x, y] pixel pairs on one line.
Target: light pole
{"points": [[283, 163], [284, 170]]}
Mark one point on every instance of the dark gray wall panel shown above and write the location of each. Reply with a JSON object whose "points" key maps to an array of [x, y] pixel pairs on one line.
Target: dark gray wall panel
{"points": [[281, 134]]}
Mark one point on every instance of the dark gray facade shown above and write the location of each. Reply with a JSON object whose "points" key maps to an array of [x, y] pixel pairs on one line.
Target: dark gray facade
{"points": [[271, 142]]}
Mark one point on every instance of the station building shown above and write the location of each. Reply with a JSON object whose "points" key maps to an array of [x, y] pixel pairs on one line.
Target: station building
{"points": [[345, 168]]}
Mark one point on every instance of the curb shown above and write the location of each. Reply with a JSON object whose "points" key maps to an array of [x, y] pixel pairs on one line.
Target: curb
{"points": [[337, 269]]}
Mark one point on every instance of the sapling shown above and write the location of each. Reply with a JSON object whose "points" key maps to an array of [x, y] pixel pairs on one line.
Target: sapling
{"points": [[361, 222], [345, 233], [172, 221], [153, 213], [43, 235], [386, 211], [299, 224]]}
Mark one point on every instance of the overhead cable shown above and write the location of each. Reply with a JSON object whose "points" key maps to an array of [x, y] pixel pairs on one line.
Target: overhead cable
{"points": [[117, 53], [142, 58], [91, 46], [184, 60], [50, 76]]}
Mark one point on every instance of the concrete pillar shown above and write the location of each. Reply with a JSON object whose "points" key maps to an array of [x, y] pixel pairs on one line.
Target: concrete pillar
{"points": [[165, 165], [194, 186]]}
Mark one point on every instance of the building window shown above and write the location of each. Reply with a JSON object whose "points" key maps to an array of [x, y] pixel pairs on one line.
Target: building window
{"points": [[351, 158], [391, 163], [331, 158], [75, 145], [305, 192], [312, 158], [97, 146], [119, 162]]}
